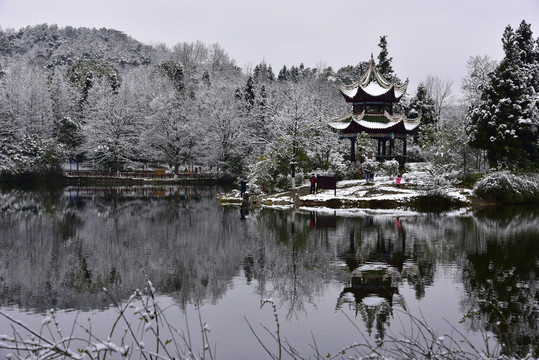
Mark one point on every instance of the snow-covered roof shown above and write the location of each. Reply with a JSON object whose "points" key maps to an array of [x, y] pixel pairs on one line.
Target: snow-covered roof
{"points": [[341, 123], [372, 83], [350, 92], [375, 89], [369, 122]]}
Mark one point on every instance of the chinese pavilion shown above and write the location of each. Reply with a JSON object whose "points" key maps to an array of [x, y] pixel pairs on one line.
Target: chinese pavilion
{"points": [[373, 98]]}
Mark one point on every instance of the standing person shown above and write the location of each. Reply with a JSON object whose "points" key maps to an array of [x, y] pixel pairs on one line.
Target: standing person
{"points": [[313, 183], [399, 179], [243, 187]]}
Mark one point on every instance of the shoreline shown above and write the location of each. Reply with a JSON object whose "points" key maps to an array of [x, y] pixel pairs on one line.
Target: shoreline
{"points": [[356, 194], [25, 180]]}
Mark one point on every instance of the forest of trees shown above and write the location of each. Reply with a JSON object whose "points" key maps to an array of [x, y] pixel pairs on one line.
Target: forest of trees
{"points": [[110, 102]]}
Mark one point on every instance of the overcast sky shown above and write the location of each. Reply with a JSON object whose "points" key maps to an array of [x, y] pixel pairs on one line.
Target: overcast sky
{"points": [[424, 36]]}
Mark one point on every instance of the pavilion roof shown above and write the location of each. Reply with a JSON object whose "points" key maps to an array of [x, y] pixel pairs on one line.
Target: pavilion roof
{"points": [[375, 123], [373, 86]]}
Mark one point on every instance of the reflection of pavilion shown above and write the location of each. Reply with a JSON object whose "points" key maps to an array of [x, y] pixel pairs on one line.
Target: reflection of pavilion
{"points": [[375, 276]]}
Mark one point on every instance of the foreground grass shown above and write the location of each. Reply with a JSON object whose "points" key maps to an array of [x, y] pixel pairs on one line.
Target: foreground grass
{"points": [[141, 330]]}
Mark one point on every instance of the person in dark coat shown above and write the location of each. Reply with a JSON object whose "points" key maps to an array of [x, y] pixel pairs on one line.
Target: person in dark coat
{"points": [[313, 183], [243, 186]]}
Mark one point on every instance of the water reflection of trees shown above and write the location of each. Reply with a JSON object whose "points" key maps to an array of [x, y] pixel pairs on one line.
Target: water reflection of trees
{"points": [[60, 249], [500, 278], [291, 260]]}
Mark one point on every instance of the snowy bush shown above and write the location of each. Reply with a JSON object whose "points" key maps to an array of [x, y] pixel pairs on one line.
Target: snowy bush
{"points": [[413, 152], [32, 155], [390, 168], [269, 175], [337, 165], [370, 165], [505, 187], [261, 175], [349, 171]]}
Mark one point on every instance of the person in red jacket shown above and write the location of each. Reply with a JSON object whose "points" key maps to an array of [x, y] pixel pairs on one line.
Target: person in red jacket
{"points": [[313, 183], [398, 180]]}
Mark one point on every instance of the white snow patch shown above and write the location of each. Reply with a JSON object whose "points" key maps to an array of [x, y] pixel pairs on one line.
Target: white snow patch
{"points": [[373, 301]]}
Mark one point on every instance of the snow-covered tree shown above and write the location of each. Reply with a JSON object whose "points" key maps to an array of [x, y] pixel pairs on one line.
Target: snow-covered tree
{"points": [[350, 74], [172, 130], [190, 55], [422, 105], [263, 73], [249, 93], [227, 136], [219, 60], [64, 97], [477, 77], [26, 120], [439, 90], [505, 121], [174, 72], [384, 60], [83, 74], [293, 120], [111, 129], [326, 151], [284, 74]]}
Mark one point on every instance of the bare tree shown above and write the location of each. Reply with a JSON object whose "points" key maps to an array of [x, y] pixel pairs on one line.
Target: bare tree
{"points": [[218, 58], [190, 54], [440, 91], [477, 76]]}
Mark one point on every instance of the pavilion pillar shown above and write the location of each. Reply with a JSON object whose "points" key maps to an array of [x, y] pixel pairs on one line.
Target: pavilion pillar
{"points": [[404, 146], [379, 146], [384, 147], [353, 149]]}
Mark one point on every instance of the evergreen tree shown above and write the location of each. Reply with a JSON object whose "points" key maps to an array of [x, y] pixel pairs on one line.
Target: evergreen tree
{"points": [[263, 97], [206, 78], [384, 60], [350, 74], [271, 75], [327, 73], [284, 74], [256, 73], [70, 136], [263, 73], [294, 74], [422, 105], [505, 121], [84, 73], [174, 72], [249, 93]]}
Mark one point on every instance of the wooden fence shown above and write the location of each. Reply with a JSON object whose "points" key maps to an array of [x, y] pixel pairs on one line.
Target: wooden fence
{"points": [[156, 175]]}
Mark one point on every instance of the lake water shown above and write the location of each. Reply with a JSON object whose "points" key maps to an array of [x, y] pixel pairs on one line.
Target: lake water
{"points": [[336, 278]]}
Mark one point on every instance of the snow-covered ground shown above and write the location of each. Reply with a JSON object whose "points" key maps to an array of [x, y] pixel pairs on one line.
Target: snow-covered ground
{"points": [[353, 195]]}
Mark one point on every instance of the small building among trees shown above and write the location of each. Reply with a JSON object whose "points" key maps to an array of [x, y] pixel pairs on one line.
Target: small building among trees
{"points": [[374, 99]]}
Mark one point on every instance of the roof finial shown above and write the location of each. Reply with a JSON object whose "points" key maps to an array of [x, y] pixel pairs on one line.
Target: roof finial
{"points": [[372, 58]]}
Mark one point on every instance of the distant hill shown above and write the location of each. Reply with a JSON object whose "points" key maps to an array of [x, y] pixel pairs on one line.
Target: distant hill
{"points": [[51, 46]]}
